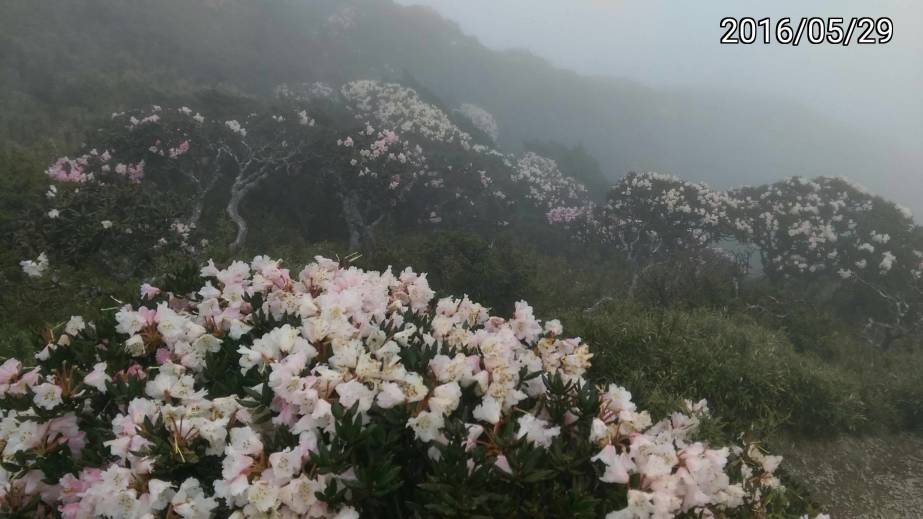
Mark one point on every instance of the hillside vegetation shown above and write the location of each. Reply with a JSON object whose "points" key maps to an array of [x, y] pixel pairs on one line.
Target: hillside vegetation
{"points": [[55, 73], [151, 174]]}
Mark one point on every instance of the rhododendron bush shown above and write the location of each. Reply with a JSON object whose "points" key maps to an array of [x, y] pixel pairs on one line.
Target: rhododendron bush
{"points": [[823, 231], [652, 215], [348, 161], [373, 157], [481, 119], [95, 213], [830, 229], [337, 392]]}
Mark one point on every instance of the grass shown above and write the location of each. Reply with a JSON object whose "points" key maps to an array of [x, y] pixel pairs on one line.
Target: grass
{"points": [[753, 377]]}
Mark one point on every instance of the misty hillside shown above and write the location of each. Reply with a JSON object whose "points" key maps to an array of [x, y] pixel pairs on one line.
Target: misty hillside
{"points": [[67, 62]]}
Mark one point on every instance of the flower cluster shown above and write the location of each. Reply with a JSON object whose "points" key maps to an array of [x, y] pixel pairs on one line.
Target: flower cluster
{"points": [[35, 268], [236, 127], [800, 226], [547, 186], [399, 108], [68, 170], [87, 167], [259, 396], [481, 119], [304, 91], [342, 20], [650, 215], [823, 225], [371, 148]]}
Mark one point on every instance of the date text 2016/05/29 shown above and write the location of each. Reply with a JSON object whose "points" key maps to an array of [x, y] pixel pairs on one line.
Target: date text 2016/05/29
{"points": [[815, 31]]}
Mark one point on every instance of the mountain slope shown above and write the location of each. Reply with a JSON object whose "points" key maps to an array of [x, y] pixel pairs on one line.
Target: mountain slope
{"points": [[56, 55]]}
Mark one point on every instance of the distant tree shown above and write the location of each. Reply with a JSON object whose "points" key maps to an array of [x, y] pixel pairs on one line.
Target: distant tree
{"points": [[829, 230], [481, 119], [377, 150], [650, 218], [575, 162]]}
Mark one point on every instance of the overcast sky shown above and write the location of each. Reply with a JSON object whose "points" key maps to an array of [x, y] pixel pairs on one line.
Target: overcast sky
{"points": [[676, 43]]}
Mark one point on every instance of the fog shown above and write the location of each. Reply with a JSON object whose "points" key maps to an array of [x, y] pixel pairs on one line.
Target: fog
{"points": [[459, 258], [873, 89]]}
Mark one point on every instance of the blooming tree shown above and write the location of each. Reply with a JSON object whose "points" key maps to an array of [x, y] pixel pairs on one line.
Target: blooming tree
{"points": [[407, 162], [651, 215], [556, 194], [831, 229], [481, 119], [377, 148], [338, 392], [648, 218], [826, 230], [94, 212], [383, 157], [177, 156]]}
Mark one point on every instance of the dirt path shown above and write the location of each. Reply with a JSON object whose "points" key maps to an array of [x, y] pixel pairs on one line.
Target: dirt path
{"points": [[868, 478]]}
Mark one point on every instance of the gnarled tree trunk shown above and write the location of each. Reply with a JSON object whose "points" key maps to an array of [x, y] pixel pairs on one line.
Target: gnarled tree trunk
{"points": [[361, 234], [233, 211], [243, 184]]}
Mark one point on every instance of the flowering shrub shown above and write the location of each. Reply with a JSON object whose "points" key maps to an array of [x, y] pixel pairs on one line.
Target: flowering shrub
{"points": [[374, 155], [646, 216], [95, 213], [805, 226], [344, 163], [825, 230], [546, 186], [378, 152], [415, 167], [652, 215], [829, 229], [401, 109], [481, 119], [340, 392]]}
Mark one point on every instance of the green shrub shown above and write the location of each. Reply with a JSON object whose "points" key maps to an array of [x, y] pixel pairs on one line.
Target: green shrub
{"points": [[752, 377]]}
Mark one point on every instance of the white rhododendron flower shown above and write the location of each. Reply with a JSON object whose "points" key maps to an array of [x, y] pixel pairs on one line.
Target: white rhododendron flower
{"points": [[35, 268], [537, 430], [259, 377], [236, 127], [97, 378], [47, 396]]}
